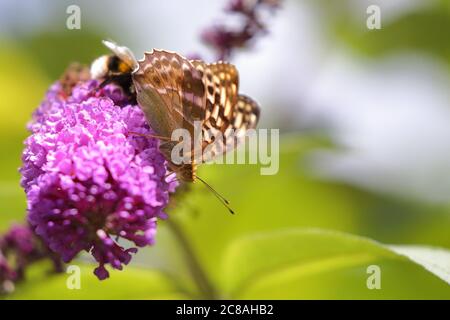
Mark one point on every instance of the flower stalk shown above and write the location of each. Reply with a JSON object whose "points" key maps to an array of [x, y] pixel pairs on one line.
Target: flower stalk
{"points": [[205, 287]]}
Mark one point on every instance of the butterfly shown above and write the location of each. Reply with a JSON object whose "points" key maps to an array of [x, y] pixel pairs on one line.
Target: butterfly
{"points": [[175, 92]]}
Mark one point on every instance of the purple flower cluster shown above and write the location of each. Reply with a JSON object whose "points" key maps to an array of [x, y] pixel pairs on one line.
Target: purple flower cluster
{"points": [[20, 247], [89, 179], [225, 40], [20, 242], [7, 276]]}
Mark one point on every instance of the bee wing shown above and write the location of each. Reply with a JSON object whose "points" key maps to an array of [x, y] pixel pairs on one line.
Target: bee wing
{"points": [[123, 53]]}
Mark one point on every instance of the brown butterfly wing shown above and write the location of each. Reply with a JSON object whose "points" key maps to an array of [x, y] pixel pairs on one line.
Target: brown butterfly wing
{"points": [[221, 83], [226, 110], [174, 92], [170, 91], [245, 116]]}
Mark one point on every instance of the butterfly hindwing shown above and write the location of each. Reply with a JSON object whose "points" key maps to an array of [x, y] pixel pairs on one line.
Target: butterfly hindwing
{"points": [[245, 116], [221, 83], [228, 114]]}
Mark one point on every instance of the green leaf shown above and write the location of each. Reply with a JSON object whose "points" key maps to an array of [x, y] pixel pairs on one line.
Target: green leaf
{"points": [[434, 260], [294, 198], [318, 264]]}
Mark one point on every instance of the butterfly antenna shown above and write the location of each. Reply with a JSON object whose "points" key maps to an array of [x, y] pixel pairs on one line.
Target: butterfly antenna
{"points": [[221, 198]]}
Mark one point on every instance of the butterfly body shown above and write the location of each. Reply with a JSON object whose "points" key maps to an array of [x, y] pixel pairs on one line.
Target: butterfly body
{"points": [[185, 171], [176, 93]]}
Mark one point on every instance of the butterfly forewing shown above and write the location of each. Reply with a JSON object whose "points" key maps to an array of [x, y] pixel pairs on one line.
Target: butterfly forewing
{"points": [[174, 92], [170, 91]]}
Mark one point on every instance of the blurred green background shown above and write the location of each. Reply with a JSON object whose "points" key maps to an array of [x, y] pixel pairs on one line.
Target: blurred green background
{"points": [[364, 117]]}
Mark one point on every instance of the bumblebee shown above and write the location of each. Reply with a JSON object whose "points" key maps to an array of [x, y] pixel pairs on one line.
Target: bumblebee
{"points": [[115, 68]]}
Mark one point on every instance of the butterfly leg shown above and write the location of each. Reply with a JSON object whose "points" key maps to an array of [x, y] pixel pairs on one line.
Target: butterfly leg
{"points": [[148, 135], [169, 174]]}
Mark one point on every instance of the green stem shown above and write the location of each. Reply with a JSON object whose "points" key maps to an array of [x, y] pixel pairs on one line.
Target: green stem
{"points": [[198, 274]]}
